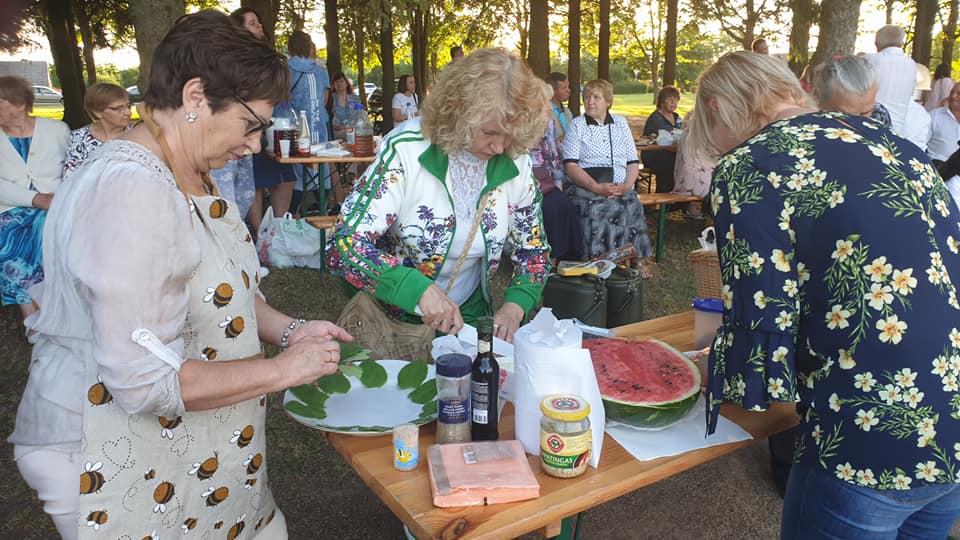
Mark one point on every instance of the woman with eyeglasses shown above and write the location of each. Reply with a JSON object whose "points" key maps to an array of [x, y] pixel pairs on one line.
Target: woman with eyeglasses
{"points": [[32, 150], [146, 399], [109, 107]]}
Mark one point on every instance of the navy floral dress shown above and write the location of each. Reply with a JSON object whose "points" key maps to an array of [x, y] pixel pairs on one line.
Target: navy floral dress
{"points": [[838, 242]]}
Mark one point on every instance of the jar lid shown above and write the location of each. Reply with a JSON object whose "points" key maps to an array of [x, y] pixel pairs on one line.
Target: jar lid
{"points": [[565, 407], [454, 365], [711, 305]]}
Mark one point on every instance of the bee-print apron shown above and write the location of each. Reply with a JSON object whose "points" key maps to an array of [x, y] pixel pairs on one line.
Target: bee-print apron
{"points": [[203, 474]]}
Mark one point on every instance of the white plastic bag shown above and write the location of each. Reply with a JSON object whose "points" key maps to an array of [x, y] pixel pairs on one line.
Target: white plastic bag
{"points": [[549, 359], [708, 239], [284, 242]]}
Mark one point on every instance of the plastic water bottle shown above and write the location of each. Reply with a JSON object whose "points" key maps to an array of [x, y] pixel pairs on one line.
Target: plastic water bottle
{"points": [[364, 134]]}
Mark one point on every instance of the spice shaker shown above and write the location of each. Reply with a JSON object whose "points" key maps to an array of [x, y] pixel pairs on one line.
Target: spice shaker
{"points": [[406, 447], [453, 398]]}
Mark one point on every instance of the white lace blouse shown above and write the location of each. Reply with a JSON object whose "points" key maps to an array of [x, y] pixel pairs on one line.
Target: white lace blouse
{"points": [[467, 176], [101, 284]]}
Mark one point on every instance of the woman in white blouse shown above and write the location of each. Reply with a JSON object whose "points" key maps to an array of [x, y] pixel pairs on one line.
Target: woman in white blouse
{"points": [[600, 157], [109, 107], [147, 362], [31, 165], [405, 104], [945, 128]]}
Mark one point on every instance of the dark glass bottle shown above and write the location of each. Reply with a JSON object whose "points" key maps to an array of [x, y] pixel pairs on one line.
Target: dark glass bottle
{"points": [[485, 385]]}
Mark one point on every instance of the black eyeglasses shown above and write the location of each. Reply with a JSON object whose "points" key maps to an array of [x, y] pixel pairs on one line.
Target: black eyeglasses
{"points": [[264, 125]]}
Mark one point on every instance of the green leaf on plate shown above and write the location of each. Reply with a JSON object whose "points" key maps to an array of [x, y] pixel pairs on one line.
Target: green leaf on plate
{"points": [[334, 384], [412, 374], [425, 392], [374, 376], [352, 352], [351, 370], [429, 409], [311, 396], [300, 409]]}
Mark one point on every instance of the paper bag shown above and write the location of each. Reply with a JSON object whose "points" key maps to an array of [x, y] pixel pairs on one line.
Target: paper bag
{"points": [[548, 360]]}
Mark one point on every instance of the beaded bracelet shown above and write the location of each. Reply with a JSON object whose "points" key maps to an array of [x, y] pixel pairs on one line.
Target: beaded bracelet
{"points": [[285, 337]]}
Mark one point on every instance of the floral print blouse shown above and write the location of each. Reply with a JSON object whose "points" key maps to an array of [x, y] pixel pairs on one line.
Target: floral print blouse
{"points": [[837, 244]]}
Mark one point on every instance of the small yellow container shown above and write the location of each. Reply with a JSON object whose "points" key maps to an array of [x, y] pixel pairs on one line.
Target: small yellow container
{"points": [[565, 435]]}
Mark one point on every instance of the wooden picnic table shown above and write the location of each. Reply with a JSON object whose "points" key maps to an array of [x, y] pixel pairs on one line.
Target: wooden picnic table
{"points": [[313, 180], [408, 494], [664, 200]]}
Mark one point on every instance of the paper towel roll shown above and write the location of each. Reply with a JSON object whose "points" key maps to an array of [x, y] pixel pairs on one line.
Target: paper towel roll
{"points": [[548, 360]]}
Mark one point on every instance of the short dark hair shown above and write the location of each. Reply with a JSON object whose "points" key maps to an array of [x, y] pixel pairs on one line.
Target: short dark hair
{"points": [[17, 91], [454, 50], [756, 42], [555, 78], [299, 44], [665, 92], [229, 60], [942, 71], [402, 83]]}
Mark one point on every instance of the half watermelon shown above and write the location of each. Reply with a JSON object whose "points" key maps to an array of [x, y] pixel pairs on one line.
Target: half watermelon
{"points": [[646, 384]]}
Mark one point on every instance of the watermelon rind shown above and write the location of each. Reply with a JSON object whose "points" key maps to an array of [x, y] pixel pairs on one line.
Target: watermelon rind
{"points": [[654, 415]]}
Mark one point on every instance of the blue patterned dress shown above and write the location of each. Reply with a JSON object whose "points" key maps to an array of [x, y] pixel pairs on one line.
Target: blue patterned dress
{"points": [[21, 236]]}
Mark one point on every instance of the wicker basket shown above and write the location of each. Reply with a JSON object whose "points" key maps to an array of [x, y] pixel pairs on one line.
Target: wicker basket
{"points": [[706, 272]]}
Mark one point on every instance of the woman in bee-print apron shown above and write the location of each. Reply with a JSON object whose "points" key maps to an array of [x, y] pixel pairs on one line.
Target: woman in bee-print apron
{"points": [[143, 416]]}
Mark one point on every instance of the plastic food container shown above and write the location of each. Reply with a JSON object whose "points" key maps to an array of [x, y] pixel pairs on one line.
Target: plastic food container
{"points": [[708, 313]]}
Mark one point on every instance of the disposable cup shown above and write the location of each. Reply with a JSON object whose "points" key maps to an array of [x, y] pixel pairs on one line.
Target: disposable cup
{"points": [[285, 148]]}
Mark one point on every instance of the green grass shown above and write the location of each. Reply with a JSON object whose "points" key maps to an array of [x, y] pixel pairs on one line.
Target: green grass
{"points": [[644, 104]]}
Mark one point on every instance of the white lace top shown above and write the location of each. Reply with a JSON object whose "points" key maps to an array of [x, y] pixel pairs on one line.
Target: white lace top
{"points": [[466, 177]]}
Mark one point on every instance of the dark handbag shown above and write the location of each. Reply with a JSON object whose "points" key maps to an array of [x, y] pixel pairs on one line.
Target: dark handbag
{"points": [[624, 297], [600, 175], [544, 180], [577, 297]]}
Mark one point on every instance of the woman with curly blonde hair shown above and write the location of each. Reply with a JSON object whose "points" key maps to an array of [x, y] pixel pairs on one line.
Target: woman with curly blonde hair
{"points": [[425, 227]]}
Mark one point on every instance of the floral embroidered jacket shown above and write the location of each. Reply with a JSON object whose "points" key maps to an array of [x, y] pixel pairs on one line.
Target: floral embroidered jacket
{"points": [[396, 226], [838, 244]]}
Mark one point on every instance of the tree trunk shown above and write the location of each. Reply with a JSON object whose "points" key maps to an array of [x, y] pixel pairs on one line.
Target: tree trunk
{"points": [[949, 35], [603, 54], [539, 50], [386, 53], [888, 11], [83, 23], [267, 10], [359, 53], [838, 29], [151, 21], [419, 32], [670, 47], [331, 27], [923, 31], [804, 13], [66, 57], [573, 53]]}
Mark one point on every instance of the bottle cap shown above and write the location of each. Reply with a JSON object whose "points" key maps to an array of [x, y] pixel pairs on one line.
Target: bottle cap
{"points": [[565, 407], [485, 325], [454, 365]]}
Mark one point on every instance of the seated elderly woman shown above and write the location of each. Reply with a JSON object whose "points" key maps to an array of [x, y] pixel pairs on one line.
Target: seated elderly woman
{"points": [[663, 160], [109, 107], [945, 128], [425, 227], [837, 241], [148, 348], [31, 166], [600, 157]]}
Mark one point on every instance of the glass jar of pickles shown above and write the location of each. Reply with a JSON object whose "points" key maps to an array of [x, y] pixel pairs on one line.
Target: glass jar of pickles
{"points": [[565, 435]]}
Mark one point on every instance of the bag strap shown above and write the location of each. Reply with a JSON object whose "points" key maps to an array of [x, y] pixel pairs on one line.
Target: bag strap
{"points": [[302, 73], [473, 234]]}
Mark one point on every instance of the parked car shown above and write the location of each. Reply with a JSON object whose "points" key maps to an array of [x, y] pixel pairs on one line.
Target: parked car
{"points": [[369, 87], [134, 93], [45, 94]]}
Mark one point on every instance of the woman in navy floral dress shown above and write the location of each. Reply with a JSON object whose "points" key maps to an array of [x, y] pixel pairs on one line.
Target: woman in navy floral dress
{"points": [[838, 243]]}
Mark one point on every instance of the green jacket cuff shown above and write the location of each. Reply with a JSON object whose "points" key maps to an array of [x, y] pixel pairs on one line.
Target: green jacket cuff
{"points": [[527, 295], [402, 287]]}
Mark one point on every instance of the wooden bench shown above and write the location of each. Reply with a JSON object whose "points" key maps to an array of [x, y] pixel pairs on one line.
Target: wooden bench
{"points": [[663, 200]]}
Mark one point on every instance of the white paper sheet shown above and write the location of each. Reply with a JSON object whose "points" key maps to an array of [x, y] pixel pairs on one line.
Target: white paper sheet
{"points": [[684, 436]]}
